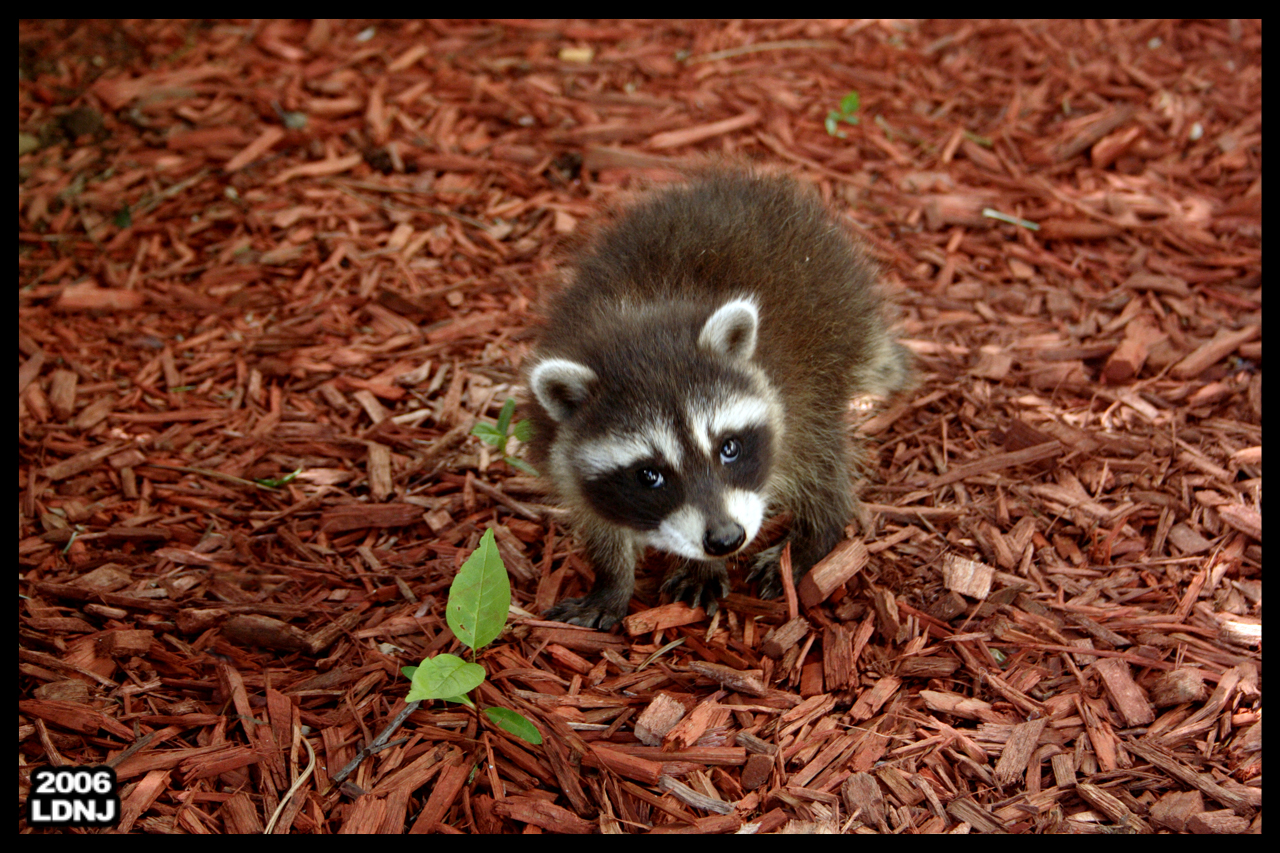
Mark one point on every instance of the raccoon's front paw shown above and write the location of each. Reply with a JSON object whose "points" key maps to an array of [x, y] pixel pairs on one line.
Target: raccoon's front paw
{"points": [[698, 584], [765, 568], [590, 611]]}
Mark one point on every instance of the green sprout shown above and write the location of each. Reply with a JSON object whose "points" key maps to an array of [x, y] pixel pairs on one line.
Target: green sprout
{"points": [[499, 435], [476, 612], [848, 106], [278, 482]]}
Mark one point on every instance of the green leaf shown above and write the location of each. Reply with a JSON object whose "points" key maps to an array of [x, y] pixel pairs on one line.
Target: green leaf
{"points": [[479, 596], [516, 724], [487, 433], [832, 127], [849, 103], [521, 465], [523, 430], [408, 671], [278, 482], [461, 700], [444, 677], [504, 417]]}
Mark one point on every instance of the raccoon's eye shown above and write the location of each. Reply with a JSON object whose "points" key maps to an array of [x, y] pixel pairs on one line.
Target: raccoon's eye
{"points": [[650, 478], [730, 450]]}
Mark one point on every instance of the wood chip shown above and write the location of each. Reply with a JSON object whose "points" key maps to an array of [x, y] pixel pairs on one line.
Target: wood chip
{"points": [[325, 285]]}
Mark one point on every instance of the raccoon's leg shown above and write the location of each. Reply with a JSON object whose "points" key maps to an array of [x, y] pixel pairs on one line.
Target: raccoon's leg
{"points": [[613, 556], [809, 544], [821, 513], [698, 582]]}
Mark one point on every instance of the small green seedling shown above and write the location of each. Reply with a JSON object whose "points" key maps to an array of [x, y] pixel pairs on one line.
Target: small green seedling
{"points": [[278, 482], [500, 434], [477, 611], [848, 106]]}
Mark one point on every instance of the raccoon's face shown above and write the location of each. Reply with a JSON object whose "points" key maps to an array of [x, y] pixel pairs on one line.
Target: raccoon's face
{"points": [[670, 436]]}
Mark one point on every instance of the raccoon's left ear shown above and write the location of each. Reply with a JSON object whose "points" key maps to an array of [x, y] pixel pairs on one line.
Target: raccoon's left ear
{"points": [[731, 331], [560, 386]]}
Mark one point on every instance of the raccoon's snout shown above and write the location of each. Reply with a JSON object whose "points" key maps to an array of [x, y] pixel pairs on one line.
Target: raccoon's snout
{"points": [[723, 539]]}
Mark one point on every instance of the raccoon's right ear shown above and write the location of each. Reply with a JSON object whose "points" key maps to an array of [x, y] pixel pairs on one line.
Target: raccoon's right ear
{"points": [[560, 386], [731, 331]]}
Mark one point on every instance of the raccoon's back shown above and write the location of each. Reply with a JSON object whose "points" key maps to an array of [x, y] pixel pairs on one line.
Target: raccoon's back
{"points": [[730, 234]]}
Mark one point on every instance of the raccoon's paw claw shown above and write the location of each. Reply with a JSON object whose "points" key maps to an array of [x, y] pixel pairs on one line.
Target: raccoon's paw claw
{"points": [[584, 612], [765, 569], [698, 585]]}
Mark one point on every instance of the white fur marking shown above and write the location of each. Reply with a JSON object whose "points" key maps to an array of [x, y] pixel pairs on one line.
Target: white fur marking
{"points": [[729, 417], [731, 330], [554, 380], [665, 442], [739, 414], [746, 508], [679, 533], [682, 532], [611, 453]]}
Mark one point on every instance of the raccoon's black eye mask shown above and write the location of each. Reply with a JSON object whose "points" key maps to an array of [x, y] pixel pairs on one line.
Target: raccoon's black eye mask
{"points": [[632, 498]]}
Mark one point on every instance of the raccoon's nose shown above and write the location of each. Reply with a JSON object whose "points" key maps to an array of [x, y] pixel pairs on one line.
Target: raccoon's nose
{"points": [[723, 539]]}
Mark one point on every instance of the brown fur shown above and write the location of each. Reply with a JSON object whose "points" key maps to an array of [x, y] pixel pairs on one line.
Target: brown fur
{"points": [[639, 296]]}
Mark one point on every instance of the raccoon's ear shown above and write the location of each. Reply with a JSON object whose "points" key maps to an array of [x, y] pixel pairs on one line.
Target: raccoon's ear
{"points": [[731, 331], [560, 386]]}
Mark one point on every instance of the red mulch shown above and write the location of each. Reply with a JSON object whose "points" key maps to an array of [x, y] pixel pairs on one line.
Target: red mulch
{"points": [[249, 249]]}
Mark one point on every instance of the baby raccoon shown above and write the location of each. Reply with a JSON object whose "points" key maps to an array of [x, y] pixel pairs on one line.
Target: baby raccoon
{"points": [[694, 378]]}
